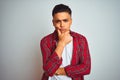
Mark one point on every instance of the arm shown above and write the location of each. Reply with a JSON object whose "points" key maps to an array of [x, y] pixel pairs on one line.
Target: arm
{"points": [[84, 66], [52, 61]]}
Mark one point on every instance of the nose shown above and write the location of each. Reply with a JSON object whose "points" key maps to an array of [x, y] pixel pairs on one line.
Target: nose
{"points": [[61, 24]]}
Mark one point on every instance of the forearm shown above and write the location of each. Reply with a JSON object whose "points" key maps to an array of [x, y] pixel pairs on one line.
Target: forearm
{"points": [[74, 71], [55, 60], [52, 64], [77, 70], [59, 49], [51, 61], [82, 68]]}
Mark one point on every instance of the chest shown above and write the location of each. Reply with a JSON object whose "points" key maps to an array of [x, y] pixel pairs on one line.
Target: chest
{"points": [[76, 51]]}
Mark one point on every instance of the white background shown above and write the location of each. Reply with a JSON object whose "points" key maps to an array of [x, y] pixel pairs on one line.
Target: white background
{"points": [[23, 23]]}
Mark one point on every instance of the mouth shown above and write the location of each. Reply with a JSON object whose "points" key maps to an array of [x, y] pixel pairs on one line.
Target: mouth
{"points": [[62, 30]]}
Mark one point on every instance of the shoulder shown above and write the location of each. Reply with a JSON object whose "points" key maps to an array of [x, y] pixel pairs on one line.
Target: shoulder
{"points": [[47, 38], [81, 39], [78, 36]]}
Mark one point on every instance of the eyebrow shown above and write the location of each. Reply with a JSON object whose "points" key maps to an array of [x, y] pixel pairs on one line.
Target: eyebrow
{"points": [[61, 20]]}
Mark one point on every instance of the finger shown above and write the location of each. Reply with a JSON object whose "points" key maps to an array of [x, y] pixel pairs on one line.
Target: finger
{"points": [[67, 32], [57, 72], [59, 33]]}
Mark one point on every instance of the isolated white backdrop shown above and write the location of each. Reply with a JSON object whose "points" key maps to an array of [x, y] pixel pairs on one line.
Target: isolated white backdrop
{"points": [[23, 23]]}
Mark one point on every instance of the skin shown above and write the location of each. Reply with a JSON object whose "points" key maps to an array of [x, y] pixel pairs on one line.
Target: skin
{"points": [[62, 22]]}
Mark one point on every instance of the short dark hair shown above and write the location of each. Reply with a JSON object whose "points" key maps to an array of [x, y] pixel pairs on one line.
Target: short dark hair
{"points": [[61, 8]]}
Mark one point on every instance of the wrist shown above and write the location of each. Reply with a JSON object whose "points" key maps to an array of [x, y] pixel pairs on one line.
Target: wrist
{"points": [[62, 44]]}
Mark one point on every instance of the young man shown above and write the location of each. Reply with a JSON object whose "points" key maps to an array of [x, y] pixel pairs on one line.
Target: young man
{"points": [[65, 53]]}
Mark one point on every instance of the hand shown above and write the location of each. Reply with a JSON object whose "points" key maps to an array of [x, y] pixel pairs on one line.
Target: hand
{"points": [[60, 71], [65, 37]]}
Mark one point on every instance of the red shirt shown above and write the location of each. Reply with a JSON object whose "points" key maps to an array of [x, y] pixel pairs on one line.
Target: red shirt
{"points": [[81, 61]]}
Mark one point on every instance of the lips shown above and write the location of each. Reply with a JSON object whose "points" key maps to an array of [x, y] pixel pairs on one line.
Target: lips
{"points": [[62, 30]]}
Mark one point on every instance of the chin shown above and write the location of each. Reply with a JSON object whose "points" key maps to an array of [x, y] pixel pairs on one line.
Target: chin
{"points": [[63, 31]]}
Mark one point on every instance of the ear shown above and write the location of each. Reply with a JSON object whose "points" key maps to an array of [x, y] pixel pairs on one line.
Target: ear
{"points": [[71, 21]]}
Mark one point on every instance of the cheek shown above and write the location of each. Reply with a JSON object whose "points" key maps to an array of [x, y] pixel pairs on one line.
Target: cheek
{"points": [[68, 25], [56, 26]]}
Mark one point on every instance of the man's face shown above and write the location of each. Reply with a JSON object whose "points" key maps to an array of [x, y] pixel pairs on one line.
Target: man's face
{"points": [[62, 21]]}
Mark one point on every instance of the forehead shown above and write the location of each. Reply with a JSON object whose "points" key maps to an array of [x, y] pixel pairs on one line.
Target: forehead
{"points": [[61, 15]]}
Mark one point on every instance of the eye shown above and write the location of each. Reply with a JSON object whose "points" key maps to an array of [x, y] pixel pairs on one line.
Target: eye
{"points": [[57, 21], [65, 20]]}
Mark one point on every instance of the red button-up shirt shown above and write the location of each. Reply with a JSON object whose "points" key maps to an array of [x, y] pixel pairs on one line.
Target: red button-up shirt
{"points": [[80, 63]]}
